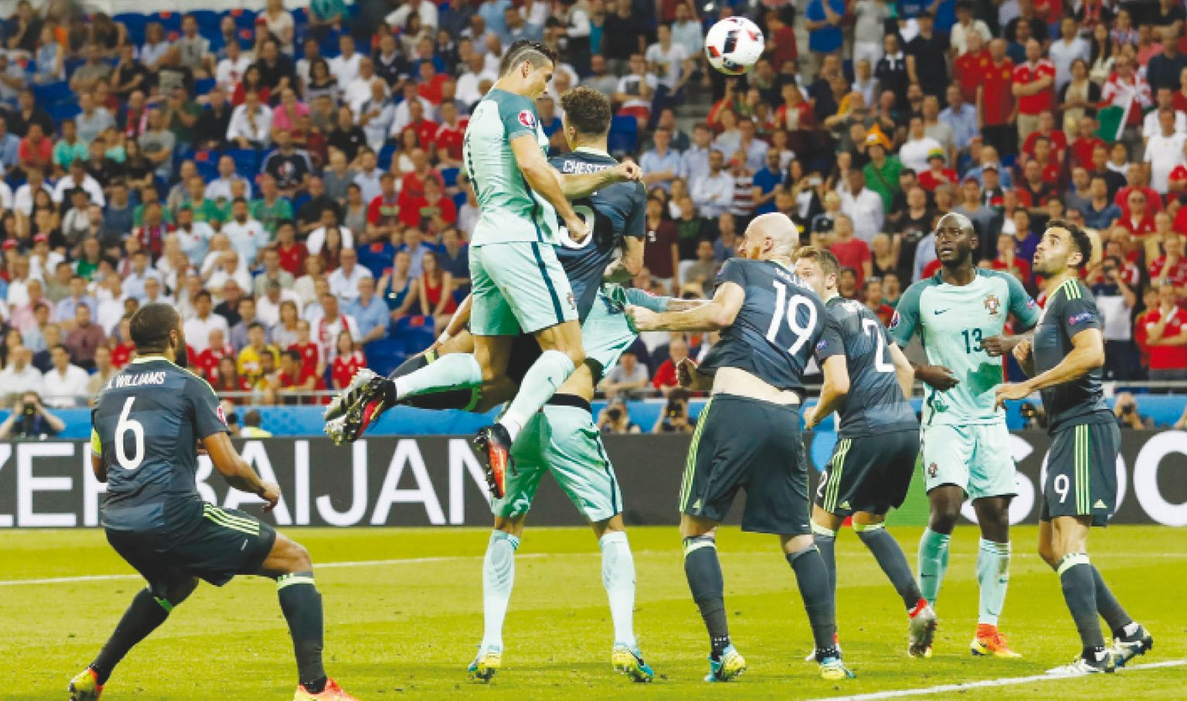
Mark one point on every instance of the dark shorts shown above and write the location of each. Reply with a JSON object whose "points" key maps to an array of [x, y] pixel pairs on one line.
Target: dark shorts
{"points": [[217, 546], [748, 444], [869, 473], [1082, 472]]}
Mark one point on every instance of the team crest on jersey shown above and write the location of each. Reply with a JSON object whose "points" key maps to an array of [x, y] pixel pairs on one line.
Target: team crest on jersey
{"points": [[992, 304], [932, 470], [527, 119]]}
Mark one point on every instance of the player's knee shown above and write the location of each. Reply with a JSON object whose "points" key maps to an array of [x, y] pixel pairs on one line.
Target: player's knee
{"points": [[179, 591], [297, 557], [944, 517]]}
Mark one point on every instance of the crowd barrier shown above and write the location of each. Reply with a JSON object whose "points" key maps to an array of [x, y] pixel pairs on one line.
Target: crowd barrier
{"points": [[437, 481]]}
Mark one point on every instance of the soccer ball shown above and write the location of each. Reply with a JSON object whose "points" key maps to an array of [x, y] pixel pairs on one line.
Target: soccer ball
{"points": [[734, 45]]}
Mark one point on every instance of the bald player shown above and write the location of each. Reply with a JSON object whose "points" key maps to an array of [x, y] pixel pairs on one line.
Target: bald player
{"points": [[748, 434], [960, 314]]}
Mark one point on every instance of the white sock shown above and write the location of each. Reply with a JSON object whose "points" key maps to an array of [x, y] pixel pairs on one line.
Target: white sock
{"points": [[498, 576], [993, 576], [618, 576], [539, 383], [453, 371]]}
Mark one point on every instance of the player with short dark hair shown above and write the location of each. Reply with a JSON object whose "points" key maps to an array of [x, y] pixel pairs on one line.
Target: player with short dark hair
{"points": [[867, 380], [748, 434], [148, 422], [960, 314], [1064, 361]]}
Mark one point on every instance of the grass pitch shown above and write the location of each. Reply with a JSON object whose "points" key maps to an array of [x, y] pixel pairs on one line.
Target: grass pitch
{"points": [[408, 629]]}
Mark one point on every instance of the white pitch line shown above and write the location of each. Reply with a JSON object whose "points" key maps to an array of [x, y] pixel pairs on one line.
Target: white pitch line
{"points": [[1005, 681], [323, 566]]}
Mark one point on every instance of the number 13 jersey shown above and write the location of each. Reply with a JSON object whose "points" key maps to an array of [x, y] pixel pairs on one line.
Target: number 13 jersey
{"points": [[145, 426], [776, 330], [952, 321]]}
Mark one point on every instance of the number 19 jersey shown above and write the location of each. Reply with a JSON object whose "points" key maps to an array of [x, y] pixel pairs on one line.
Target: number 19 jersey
{"points": [[952, 321], [146, 424], [776, 330]]}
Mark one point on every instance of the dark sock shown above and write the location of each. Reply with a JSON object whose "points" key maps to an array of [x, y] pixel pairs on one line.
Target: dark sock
{"points": [[1079, 591], [1108, 607], [465, 399], [812, 578], [301, 603], [703, 571], [893, 562], [143, 617], [826, 543]]}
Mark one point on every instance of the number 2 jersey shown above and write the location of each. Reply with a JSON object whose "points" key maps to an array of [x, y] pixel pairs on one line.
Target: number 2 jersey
{"points": [[875, 402], [952, 321], [776, 330], [611, 214], [146, 425]]}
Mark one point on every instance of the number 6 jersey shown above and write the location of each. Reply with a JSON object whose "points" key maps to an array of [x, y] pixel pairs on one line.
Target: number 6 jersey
{"points": [[777, 328], [952, 321], [145, 426]]}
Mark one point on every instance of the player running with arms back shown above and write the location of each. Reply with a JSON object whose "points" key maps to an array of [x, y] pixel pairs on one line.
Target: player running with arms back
{"points": [[518, 284], [148, 423], [1064, 360], [960, 314], [867, 380], [748, 434]]}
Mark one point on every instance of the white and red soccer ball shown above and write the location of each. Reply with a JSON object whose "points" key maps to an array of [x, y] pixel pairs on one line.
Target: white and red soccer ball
{"points": [[734, 45]]}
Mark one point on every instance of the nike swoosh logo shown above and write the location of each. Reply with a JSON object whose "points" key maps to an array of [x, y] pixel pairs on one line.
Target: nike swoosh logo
{"points": [[938, 312]]}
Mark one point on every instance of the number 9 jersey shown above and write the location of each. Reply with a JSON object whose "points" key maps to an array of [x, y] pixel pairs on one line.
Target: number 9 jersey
{"points": [[777, 328], [146, 424]]}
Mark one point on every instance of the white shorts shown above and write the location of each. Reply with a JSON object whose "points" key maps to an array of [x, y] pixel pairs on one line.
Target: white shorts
{"points": [[975, 458]]}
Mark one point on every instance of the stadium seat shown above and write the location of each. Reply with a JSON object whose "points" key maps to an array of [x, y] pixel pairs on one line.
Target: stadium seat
{"points": [[203, 86], [207, 165], [385, 156], [50, 94], [171, 21], [63, 110], [244, 19], [385, 355], [459, 200], [449, 175], [208, 21], [624, 135], [247, 162], [134, 22]]}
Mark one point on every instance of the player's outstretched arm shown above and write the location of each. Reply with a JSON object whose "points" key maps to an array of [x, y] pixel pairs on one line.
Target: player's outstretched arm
{"points": [[629, 264], [578, 185], [1088, 354], [546, 180], [832, 393], [236, 471], [457, 323], [714, 316]]}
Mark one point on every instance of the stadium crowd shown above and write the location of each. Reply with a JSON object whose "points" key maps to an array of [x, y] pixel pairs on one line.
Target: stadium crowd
{"points": [[293, 180]]}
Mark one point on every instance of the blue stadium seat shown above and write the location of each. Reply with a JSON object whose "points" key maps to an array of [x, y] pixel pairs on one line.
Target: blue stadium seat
{"points": [[134, 22], [244, 19], [49, 94], [385, 355], [247, 162], [208, 21], [449, 175], [207, 167], [72, 64], [624, 135], [459, 200], [171, 21], [63, 110], [385, 156], [203, 86]]}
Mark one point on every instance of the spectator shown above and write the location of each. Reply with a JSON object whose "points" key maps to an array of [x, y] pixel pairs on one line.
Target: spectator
{"points": [[64, 383], [627, 377], [822, 19], [713, 193], [1128, 91], [851, 252], [347, 361], [1166, 337], [29, 419], [665, 380], [614, 418], [1165, 69], [871, 292], [1125, 407], [19, 375], [863, 206], [251, 123], [344, 282], [1032, 86], [661, 165], [1116, 299], [927, 57], [84, 338], [1164, 151], [104, 371], [914, 152], [674, 418]]}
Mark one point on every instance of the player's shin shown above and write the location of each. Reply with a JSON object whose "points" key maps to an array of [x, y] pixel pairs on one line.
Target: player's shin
{"points": [[703, 571], [1079, 591], [1108, 607], [618, 576], [540, 382], [993, 577], [812, 578], [143, 617], [300, 601], [498, 577], [450, 372], [933, 562], [892, 560], [826, 542]]}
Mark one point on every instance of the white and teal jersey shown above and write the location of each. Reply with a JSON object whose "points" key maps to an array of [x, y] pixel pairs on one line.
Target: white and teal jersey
{"points": [[508, 209], [952, 320]]}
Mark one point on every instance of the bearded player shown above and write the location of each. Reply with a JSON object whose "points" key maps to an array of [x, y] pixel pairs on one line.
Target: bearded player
{"points": [[960, 314], [1064, 361]]}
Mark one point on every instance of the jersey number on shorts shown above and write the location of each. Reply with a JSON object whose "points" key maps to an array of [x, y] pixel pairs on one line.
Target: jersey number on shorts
{"points": [[124, 425], [1061, 486], [789, 309], [589, 218], [873, 330]]}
